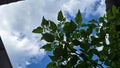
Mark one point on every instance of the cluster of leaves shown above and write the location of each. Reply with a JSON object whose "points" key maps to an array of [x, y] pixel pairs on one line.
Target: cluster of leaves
{"points": [[74, 44]]}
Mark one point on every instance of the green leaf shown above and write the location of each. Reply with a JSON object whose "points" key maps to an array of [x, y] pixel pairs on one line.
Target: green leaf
{"points": [[78, 18], [48, 37], [114, 65], [101, 55], [114, 10], [94, 51], [76, 42], [101, 19], [84, 25], [89, 31], [90, 28], [93, 21], [47, 47], [65, 53], [95, 41], [60, 16], [108, 63], [82, 64], [51, 65], [60, 36], [74, 60], [58, 51], [84, 56], [53, 58], [44, 23], [83, 33], [69, 27], [53, 26], [38, 30]]}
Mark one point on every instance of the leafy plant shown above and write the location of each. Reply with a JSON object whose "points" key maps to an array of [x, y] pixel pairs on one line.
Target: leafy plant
{"points": [[75, 44]]}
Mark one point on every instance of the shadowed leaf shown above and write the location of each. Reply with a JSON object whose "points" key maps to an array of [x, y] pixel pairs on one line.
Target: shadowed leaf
{"points": [[78, 17], [38, 30], [48, 37], [60, 16]]}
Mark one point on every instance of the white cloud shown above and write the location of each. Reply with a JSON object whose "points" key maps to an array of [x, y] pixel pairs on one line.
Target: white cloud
{"points": [[22, 17], [28, 63], [86, 6], [20, 51], [101, 8]]}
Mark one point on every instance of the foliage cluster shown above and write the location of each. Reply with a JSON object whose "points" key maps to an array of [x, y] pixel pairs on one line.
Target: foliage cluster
{"points": [[74, 44]]}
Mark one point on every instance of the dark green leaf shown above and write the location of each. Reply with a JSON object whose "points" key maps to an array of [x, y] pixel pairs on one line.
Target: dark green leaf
{"points": [[101, 19], [60, 16], [53, 58], [69, 27], [93, 21], [82, 64], [92, 26], [101, 55], [83, 33], [108, 63], [76, 42], [84, 25], [48, 37], [47, 47], [89, 31], [78, 18], [73, 60], [94, 51], [84, 56], [65, 53], [95, 41], [51, 65], [53, 26], [58, 51], [114, 65], [61, 36], [38, 30], [114, 10], [44, 23]]}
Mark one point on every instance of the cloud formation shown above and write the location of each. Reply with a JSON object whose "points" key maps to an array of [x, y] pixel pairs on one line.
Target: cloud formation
{"points": [[19, 19]]}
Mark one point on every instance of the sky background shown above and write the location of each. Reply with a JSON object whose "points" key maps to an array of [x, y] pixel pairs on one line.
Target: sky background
{"points": [[17, 20]]}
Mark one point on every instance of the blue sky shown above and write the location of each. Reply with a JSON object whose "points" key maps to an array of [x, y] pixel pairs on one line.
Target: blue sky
{"points": [[17, 20]]}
